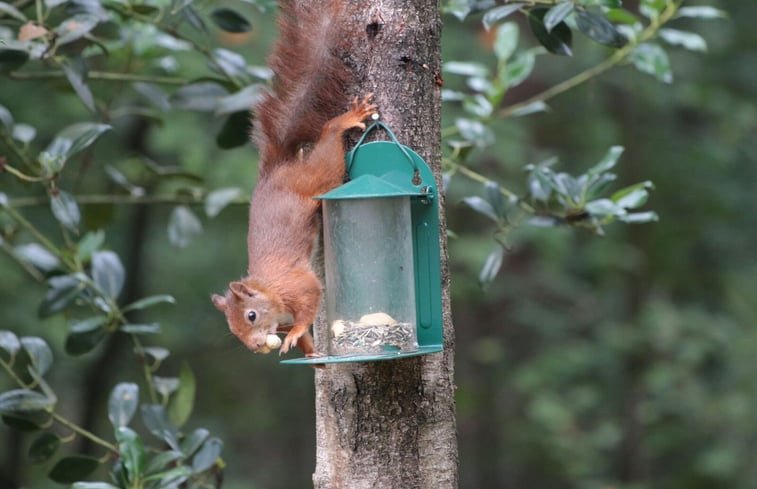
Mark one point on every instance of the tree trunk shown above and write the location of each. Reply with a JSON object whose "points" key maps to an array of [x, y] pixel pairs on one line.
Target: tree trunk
{"points": [[391, 424]]}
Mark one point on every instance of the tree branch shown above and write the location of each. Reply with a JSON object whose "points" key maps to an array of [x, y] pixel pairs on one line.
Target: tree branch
{"points": [[101, 75]]}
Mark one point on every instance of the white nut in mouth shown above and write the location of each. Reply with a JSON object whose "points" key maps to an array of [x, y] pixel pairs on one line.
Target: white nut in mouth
{"points": [[272, 341]]}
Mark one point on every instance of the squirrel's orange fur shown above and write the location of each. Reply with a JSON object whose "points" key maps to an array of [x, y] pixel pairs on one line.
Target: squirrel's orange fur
{"points": [[281, 292]]}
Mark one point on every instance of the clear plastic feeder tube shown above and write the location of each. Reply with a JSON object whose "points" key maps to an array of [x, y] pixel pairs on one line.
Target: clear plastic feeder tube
{"points": [[370, 284]]}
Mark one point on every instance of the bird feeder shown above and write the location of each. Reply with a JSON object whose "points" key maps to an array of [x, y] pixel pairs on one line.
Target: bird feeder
{"points": [[381, 254]]}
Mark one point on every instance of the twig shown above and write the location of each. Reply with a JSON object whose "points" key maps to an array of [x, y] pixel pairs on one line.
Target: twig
{"points": [[596, 70], [101, 75], [473, 175], [86, 434], [96, 199], [37, 235]]}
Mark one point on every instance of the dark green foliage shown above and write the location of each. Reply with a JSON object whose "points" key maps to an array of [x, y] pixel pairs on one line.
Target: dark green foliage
{"points": [[620, 361]]}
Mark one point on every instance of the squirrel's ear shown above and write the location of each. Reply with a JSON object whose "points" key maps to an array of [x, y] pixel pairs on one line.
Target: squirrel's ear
{"points": [[220, 302], [241, 290]]}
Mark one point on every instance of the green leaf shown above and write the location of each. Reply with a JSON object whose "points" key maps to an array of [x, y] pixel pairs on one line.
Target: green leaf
{"points": [[652, 8], [39, 353], [82, 135], [85, 335], [9, 342], [230, 21], [165, 385], [466, 68], [42, 384], [90, 243], [76, 74], [652, 59], [475, 132], [144, 9], [28, 421], [12, 59], [157, 353], [93, 485], [482, 207], [12, 11], [632, 196], [163, 459], [532, 108], [218, 199], [639, 217], [235, 131], [122, 404], [182, 403], [458, 8], [68, 142], [6, 120], [558, 40], [494, 196], [206, 457], [604, 207], [242, 100], [192, 443], [23, 401], [496, 14], [595, 185], [231, 64], [151, 328], [478, 105], [183, 226], [156, 421], [492, 265], [557, 14], [506, 40], [701, 12], [634, 199], [108, 273], [539, 179], [74, 28], [607, 162], [598, 28], [64, 290], [150, 301], [43, 448], [66, 210], [50, 163], [37, 256], [622, 16], [687, 40], [519, 69], [132, 452], [74, 468], [569, 188], [171, 478]]}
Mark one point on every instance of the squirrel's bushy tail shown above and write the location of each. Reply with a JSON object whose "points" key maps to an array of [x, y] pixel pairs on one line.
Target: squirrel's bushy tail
{"points": [[309, 79]]}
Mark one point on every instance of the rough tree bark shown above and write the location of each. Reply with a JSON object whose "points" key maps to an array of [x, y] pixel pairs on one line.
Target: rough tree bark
{"points": [[392, 424]]}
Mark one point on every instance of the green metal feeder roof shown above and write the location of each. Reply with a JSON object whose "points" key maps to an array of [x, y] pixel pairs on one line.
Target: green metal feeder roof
{"points": [[373, 187]]}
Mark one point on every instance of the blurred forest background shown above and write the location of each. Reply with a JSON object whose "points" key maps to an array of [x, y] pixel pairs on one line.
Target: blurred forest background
{"points": [[623, 361]]}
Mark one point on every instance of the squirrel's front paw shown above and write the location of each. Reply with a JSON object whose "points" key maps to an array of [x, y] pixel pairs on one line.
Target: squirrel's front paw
{"points": [[364, 109], [292, 337]]}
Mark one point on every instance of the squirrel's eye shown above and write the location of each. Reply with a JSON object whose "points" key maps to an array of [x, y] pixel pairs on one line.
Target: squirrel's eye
{"points": [[252, 316]]}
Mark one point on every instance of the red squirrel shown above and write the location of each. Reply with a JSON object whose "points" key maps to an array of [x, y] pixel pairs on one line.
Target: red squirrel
{"points": [[300, 137]]}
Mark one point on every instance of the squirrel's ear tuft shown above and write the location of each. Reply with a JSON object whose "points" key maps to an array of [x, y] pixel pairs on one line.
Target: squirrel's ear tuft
{"points": [[241, 290], [220, 302]]}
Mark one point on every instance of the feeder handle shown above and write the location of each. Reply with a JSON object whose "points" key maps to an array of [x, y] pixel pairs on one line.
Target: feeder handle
{"points": [[391, 136]]}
